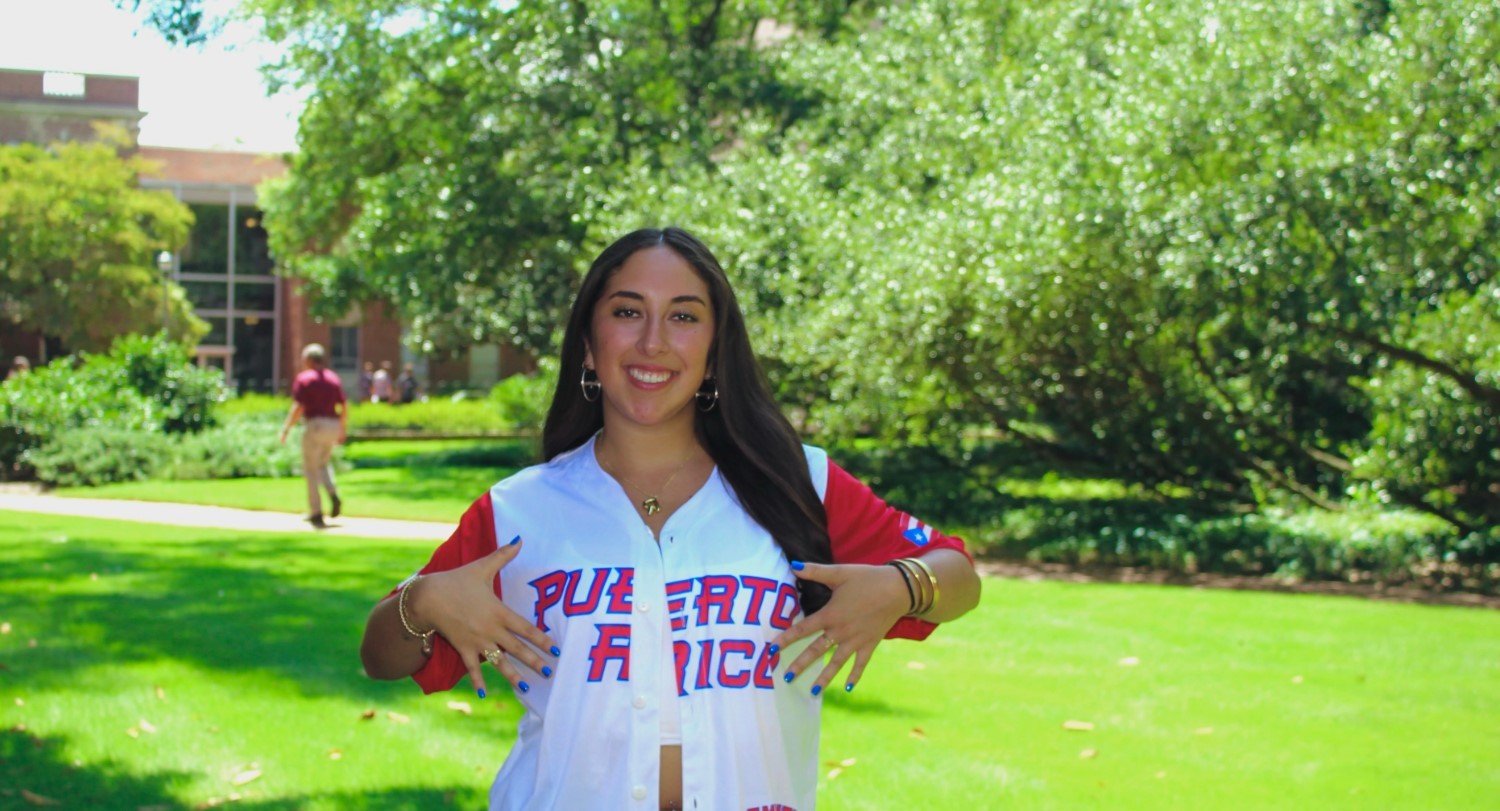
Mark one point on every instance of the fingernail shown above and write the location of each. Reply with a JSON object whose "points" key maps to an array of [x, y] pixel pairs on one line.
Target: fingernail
{"points": [[524, 686], [817, 688], [773, 650], [481, 692], [556, 651], [546, 671], [849, 688], [798, 565], [789, 676], [514, 541]]}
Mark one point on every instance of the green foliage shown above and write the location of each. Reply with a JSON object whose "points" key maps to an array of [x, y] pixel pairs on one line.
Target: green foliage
{"points": [[1235, 249], [239, 447], [456, 415], [523, 399], [144, 386], [78, 245], [100, 455]]}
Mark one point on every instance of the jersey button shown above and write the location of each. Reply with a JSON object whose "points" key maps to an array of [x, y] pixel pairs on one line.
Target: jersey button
{"points": [[643, 606], [639, 792], [639, 702]]}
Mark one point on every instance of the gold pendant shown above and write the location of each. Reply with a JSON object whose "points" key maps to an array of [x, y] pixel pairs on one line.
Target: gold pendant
{"points": [[651, 505]]}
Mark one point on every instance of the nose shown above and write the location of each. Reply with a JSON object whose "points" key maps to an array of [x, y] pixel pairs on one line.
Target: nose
{"points": [[653, 338]]}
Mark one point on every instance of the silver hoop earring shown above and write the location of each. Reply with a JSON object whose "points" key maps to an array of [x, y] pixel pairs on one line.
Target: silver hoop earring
{"points": [[709, 397], [589, 382]]}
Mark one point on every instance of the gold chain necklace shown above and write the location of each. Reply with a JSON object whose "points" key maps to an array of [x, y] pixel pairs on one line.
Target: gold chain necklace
{"points": [[650, 504]]}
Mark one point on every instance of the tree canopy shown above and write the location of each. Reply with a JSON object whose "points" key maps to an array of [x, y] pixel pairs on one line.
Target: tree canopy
{"points": [[1243, 248], [78, 246]]}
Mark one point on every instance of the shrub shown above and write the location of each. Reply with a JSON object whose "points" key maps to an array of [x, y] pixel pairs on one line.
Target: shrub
{"points": [[93, 456], [522, 400], [242, 446]]}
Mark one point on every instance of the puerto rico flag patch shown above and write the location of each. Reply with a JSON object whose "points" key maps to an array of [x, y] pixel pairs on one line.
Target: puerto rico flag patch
{"points": [[916, 532]]}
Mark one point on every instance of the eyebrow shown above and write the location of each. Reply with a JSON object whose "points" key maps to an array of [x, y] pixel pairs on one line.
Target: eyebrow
{"points": [[687, 298]]}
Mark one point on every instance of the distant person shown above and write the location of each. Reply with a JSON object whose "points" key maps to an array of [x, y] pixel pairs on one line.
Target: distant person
{"points": [[366, 382], [19, 365], [318, 400], [382, 385], [407, 385]]}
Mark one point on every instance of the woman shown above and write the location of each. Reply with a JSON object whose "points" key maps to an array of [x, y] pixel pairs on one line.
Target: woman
{"points": [[660, 592]]}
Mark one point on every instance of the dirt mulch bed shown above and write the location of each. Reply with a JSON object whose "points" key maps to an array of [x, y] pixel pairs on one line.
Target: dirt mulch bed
{"points": [[1125, 574]]}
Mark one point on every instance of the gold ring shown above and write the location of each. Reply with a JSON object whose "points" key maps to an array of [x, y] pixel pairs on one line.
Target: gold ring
{"points": [[828, 640], [491, 656]]}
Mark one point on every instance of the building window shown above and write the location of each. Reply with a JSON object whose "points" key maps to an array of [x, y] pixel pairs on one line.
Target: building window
{"points": [[344, 352], [63, 84]]}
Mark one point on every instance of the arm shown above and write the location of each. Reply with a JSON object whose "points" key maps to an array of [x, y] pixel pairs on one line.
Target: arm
{"points": [[291, 419], [870, 599], [457, 597]]}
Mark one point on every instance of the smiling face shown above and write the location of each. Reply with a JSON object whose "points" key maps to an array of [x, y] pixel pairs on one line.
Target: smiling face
{"points": [[652, 330]]}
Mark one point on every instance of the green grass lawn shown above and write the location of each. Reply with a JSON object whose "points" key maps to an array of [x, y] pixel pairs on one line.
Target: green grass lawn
{"points": [[411, 481], [154, 667]]}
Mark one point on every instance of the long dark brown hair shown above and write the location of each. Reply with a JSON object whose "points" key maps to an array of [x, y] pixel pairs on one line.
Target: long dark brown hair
{"points": [[756, 449]]}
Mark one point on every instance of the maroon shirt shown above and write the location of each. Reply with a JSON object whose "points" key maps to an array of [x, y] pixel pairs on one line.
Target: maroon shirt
{"points": [[319, 392]]}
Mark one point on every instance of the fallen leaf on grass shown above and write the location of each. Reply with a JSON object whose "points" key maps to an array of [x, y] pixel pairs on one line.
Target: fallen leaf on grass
{"points": [[147, 726], [835, 772], [133, 732], [94, 576], [1161, 775], [20, 702], [1089, 753], [334, 754], [1078, 726], [367, 715], [461, 706], [916, 732], [1129, 661], [1296, 680], [246, 776], [916, 665], [1203, 731], [160, 693], [4, 627], [36, 799], [398, 717]]}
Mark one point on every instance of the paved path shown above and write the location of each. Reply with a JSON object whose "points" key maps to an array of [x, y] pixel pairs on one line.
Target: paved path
{"points": [[197, 515]]}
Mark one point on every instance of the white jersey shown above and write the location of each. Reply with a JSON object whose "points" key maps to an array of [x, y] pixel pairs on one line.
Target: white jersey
{"points": [[635, 619]]}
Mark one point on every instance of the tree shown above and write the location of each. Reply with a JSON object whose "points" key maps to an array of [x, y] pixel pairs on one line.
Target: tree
{"points": [[78, 241], [452, 151], [180, 22]]}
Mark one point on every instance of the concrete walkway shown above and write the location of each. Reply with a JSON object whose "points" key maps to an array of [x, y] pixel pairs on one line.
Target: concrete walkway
{"points": [[28, 500]]}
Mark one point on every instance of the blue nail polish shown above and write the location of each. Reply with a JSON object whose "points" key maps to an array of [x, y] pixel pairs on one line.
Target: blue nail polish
{"points": [[798, 565], [525, 688], [546, 671], [481, 692], [514, 541], [556, 651], [773, 650], [817, 688], [789, 676], [849, 688]]}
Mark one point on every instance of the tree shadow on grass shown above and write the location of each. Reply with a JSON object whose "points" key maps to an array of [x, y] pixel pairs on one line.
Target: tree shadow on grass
{"points": [[291, 606], [36, 765]]}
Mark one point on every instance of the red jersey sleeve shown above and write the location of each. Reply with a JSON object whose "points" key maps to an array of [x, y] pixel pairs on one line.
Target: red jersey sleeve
{"points": [[473, 539], [865, 529]]}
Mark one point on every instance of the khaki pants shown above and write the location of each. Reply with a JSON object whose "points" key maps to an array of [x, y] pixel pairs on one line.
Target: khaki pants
{"points": [[319, 436]]}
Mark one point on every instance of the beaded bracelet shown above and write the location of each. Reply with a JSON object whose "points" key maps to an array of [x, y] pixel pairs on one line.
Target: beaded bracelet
{"points": [[406, 623]]}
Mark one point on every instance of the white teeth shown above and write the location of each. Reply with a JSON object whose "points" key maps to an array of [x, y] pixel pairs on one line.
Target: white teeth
{"points": [[650, 377]]}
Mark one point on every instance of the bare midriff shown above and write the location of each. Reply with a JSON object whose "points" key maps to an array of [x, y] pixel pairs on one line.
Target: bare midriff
{"points": [[671, 778]]}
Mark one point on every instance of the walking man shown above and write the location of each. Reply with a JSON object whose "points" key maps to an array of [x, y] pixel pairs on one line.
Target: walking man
{"points": [[318, 400]]}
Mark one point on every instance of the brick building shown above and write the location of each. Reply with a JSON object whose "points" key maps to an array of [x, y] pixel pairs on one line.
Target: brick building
{"points": [[258, 321]]}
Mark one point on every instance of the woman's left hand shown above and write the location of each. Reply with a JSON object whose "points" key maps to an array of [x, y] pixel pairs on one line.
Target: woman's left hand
{"points": [[866, 602]]}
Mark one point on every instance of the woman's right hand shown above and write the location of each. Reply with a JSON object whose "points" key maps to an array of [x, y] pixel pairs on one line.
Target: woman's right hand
{"points": [[461, 604]]}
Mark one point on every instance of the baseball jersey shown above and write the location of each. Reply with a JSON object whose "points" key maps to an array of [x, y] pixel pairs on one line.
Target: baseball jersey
{"points": [[635, 619]]}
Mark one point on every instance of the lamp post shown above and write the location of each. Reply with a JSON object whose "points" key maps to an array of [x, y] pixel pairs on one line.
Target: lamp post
{"points": [[164, 264]]}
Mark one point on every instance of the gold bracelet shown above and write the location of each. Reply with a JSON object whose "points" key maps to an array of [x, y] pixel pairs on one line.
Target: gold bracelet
{"points": [[923, 585], [406, 623], [932, 578]]}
